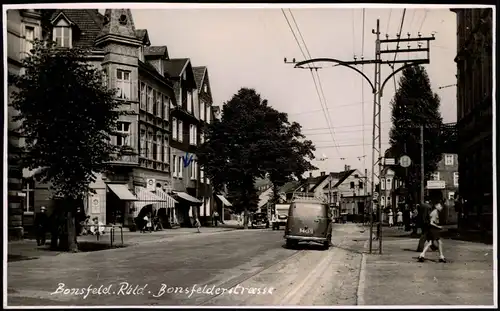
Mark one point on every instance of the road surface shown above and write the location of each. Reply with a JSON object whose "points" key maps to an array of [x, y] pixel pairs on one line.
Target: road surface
{"points": [[242, 267]]}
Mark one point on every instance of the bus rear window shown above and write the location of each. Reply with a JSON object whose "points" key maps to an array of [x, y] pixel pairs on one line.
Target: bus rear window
{"points": [[309, 210]]}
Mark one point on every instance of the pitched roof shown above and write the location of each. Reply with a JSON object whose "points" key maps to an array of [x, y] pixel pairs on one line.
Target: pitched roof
{"points": [[319, 180], [88, 21], [199, 74], [344, 177], [290, 186], [143, 35], [175, 66], [156, 51]]}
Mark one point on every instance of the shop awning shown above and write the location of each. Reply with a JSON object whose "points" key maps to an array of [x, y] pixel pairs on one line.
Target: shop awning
{"points": [[224, 200], [187, 197], [146, 197], [122, 192], [170, 202]]}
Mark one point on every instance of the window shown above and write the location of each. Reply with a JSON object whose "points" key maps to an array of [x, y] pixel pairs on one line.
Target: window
{"points": [[193, 170], [143, 151], [150, 144], [181, 132], [388, 184], [179, 170], [174, 167], [455, 179], [155, 101], [209, 116], [202, 138], [202, 111], [29, 35], [356, 176], [382, 201], [174, 128], [208, 181], [202, 175], [155, 147], [143, 99], [192, 134], [159, 104], [171, 104], [448, 159], [149, 102], [62, 36], [123, 83], [451, 195], [352, 184], [205, 88], [166, 154], [166, 102], [435, 176], [189, 102], [382, 184], [123, 132], [360, 185], [105, 78], [159, 149]]}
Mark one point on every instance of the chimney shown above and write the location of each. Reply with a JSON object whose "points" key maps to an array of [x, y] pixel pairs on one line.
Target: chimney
{"points": [[322, 173], [310, 174], [347, 167]]}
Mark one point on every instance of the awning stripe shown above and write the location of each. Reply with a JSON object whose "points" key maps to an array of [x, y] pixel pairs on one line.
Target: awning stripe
{"points": [[146, 197], [224, 200], [170, 202], [122, 192]]}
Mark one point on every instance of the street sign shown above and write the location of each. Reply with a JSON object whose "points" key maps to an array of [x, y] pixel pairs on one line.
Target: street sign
{"points": [[436, 184], [390, 161], [405, 161]]}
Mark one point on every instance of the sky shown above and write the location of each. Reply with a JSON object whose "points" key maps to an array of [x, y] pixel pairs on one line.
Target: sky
{"points": [[247, 47]]}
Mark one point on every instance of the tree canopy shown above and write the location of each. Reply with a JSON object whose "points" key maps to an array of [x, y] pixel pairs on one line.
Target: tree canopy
{"points": [[250, 140], [67, 116], [413, 105]]}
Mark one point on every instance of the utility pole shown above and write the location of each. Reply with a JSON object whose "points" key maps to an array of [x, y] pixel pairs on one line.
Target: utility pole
{"points": [[377, 90], [422, 171]]}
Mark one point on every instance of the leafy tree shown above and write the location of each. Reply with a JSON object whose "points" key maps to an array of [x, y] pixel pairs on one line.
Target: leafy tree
{"points": [[413, 105], [250, 140], [67, 115]]}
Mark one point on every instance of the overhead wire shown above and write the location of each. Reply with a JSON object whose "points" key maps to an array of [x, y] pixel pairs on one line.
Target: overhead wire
{"points": [[317, 80], [397, 47], [423, 21], [363, 87]]}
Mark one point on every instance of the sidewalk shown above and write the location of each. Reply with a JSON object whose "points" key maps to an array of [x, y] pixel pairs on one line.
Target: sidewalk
{"points": [[396, 278], [27, 249]]}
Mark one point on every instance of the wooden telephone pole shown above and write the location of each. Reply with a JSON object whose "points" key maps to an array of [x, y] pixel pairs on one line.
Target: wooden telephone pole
{"points": [[377, 90]]}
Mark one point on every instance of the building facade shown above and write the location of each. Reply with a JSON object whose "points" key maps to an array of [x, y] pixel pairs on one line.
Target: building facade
{"points": [[141, 177], [474, 113], [23, 26]]}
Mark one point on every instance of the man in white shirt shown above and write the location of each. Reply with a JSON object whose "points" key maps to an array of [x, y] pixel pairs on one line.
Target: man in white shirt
{"points": [[433, 233]]}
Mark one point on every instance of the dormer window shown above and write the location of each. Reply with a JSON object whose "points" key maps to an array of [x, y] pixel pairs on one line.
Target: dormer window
{"points": [[62, 34]]}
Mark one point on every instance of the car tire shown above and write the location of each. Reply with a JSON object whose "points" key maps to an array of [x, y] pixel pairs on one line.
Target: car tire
{"points": [[290, 244], [326, 245]]}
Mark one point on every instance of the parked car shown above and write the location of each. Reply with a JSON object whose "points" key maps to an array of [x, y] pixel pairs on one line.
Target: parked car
{"points": [[260, 220]]}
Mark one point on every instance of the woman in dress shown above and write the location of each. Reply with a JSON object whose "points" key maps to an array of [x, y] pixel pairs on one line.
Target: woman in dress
{"points": [[391, 218], [399, 219]]}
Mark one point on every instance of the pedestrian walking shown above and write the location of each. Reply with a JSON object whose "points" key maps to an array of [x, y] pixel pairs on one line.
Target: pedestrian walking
{"points": [[216, 218], [149, 223], [399, 219], [391, 218], [197, 224], [433, 233], [41, 223]]}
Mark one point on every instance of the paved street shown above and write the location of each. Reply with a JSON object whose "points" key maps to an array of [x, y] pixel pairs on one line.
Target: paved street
{"points": [[248, 258], [251, 260]]}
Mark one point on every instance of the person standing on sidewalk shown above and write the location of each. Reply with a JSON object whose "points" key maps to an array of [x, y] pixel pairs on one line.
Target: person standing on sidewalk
{"points": [[197, 224], [391, 218], [41, 222], [433, 233], [399, 219]]}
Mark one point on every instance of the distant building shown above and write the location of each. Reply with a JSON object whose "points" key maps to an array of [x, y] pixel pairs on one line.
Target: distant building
{"points": [[475, 113]]}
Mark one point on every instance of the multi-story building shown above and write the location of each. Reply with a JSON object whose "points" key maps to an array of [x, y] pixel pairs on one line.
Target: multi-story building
{"points": [[131, 65], [185, 119], [474, 113], [23, 26]]}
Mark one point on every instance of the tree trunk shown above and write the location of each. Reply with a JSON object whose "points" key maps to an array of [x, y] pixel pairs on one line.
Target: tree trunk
{"points": [[245, 218], [67, 236], [70, 219]]}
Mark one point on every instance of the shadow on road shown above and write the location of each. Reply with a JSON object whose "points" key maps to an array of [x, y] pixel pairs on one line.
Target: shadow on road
{"points": [[14, 258], [306, 246]]}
